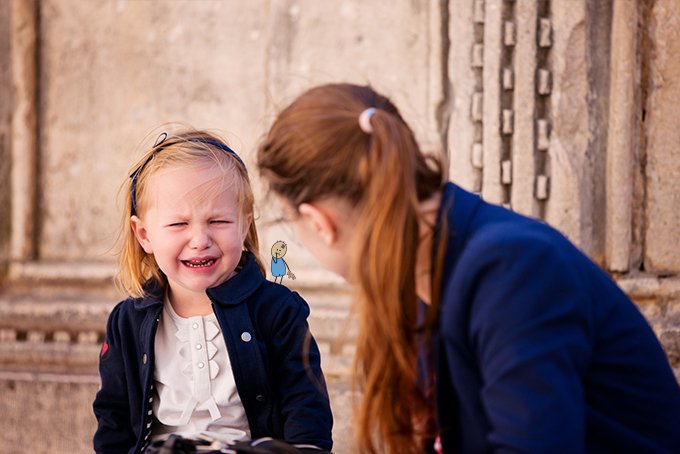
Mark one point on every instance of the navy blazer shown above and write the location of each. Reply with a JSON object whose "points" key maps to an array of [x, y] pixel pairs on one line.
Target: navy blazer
{"points": [[276, 369], [538, 350]]}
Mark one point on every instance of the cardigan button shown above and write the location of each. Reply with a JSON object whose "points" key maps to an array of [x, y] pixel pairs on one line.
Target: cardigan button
{"points": [[245, 336], [260, 398], [144, 358]]}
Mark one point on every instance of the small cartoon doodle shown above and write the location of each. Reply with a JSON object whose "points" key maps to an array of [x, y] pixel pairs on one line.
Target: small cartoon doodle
{"points": [[279, 266]]}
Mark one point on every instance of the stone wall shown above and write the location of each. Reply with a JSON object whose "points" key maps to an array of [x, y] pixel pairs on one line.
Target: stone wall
{"points": [[5, 125], [562, 110]]}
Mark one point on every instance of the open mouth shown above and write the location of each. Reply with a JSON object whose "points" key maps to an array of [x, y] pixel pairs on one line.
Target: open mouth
{"points": [[202, 263]]}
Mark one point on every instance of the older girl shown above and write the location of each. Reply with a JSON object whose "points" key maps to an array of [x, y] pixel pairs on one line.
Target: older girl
{"points": [[479, 329]]}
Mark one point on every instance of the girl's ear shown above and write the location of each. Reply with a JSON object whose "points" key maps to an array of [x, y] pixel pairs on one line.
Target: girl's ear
{"points": [[320, 221], [141, 234]]}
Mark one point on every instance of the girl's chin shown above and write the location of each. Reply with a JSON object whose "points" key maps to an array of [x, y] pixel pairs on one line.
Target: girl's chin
{"points": [[203, 286]]}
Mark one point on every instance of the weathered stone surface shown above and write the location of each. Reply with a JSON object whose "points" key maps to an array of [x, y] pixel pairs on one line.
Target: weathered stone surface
{"points": [[55, 414], [24, 38], [113, 72], [396, 47], [529, 109], [342, 399], [663, 171], [64, 328], [568, 206], [621, 136], [659, 301], [143, 66], [466, 96], [525, 140], [5, 131], [64, 315], [47, 413], [492, 190]]}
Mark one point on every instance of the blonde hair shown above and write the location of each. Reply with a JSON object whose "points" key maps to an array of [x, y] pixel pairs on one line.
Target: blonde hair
{"points": [[186, 148], [316, 148]]}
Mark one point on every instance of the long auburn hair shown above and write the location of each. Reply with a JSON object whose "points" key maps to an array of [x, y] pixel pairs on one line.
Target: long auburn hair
{"points": [[191, 149], [315, 148]]}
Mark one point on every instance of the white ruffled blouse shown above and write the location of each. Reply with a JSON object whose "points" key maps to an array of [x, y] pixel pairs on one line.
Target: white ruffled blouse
{"points": [[194, 384]]}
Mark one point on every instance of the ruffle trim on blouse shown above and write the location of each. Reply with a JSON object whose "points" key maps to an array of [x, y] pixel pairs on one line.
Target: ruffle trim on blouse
{"points": [[183, 334], [192, 357]]}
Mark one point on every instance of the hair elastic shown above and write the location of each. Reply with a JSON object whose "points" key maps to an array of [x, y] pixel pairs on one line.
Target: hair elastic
{"points": [[157, 148], [365, 120]]}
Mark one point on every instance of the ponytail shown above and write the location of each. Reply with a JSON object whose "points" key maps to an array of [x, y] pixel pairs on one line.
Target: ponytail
{"points": [[384, 262]]}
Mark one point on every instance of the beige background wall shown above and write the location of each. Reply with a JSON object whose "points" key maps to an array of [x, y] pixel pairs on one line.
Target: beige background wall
{"points": [[564, 110]]}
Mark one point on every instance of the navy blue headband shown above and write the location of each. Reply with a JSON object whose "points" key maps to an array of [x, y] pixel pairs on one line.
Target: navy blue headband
{"points": [[157, 148]]}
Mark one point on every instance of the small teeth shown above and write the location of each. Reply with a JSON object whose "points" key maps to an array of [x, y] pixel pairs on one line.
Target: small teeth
{"points": [[199, 263]]}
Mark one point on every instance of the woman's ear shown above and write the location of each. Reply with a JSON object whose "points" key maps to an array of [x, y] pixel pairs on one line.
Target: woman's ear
{"points": [[320, 221], [141, 234]]}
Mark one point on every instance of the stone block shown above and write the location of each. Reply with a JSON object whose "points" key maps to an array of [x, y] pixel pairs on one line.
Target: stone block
{"points": [[659, 301], [5, 128], [663, 160], [567, 207], [47, 413], [525, 163]]}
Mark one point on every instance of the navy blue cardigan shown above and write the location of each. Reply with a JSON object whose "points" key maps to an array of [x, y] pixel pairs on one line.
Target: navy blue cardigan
{"points": [[538, 350], [277, 370]]}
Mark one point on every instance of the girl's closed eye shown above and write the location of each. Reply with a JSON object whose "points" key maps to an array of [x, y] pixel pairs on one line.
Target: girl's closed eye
{"points": [[220, 221], [177, 224]]}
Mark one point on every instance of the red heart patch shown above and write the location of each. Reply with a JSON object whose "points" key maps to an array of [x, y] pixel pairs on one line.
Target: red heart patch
{"points": [[105, 348]]}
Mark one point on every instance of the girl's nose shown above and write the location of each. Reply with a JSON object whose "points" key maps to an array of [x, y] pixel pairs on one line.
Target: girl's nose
{"points": [[200, 239]]}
